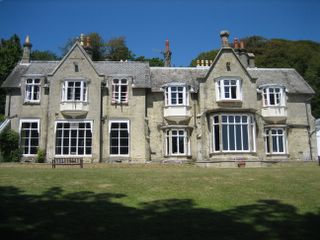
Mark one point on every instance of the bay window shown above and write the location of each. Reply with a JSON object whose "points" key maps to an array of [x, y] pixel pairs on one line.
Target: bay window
{"points": [[273, 96], [176, 96], [233, 133]]}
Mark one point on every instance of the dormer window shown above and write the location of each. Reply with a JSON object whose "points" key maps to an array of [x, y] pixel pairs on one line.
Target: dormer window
{"points": [[32, 92], [176, 96], [273, 96], [228, 89], [74, 91]]}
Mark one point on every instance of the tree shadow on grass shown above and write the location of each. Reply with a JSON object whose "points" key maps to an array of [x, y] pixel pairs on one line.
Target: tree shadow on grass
{"points": [[86, 215]]}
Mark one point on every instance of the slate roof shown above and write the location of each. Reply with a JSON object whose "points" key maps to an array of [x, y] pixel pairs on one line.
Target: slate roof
{"points": [[155, 77], [163, 75], [34, 68], [285, 76], [140, 71]]}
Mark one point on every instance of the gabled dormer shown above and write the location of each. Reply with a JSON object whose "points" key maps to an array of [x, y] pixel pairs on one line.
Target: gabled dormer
{"points": [[227, 83]]}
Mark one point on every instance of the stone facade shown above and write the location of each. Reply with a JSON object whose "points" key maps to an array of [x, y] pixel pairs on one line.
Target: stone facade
{"points": [[219, 114]]}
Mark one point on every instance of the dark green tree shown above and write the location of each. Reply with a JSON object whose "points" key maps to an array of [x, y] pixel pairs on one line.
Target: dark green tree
{"points": [[43, 56], [9, 146], [117, 50], [204, 56], [10, 54]]}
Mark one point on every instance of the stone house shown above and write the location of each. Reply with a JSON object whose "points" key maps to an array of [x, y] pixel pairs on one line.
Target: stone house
{"points": [[218, 113]]}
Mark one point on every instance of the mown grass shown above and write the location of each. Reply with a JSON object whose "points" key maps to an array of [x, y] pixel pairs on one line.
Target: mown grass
{"points": [[159, 202]]}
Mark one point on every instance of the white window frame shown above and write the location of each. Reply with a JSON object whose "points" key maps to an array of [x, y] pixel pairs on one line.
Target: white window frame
{"points": [[177, 133], [271, 135], [226, 83], [278, 94], [83, 91], [119, 95], [217, 128], [119, 138], [31, 95], [74, 125], [30, 136], [178, 93]]}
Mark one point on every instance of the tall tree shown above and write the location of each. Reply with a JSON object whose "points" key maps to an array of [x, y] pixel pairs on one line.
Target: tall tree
{"points": [[10, 54], [117, 50]]}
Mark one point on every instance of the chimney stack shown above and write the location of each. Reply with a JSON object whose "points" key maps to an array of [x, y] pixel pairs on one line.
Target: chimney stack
{"points": [[85, 42], [224, 38], [236, 44], [167, 55], [26, 50]]}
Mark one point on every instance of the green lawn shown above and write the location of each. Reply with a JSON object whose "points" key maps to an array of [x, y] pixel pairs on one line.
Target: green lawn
{"points": [[159, 202]]}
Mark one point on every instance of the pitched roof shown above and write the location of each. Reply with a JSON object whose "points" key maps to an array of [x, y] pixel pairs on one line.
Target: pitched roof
{"points": [[288, 77], [163, 75]]}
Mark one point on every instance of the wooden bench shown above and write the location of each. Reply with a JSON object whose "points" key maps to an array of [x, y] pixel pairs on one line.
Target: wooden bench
{"points": [[67, 161]]}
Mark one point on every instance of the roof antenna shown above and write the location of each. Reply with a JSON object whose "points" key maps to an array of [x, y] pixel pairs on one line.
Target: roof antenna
{"points": [[167, 55]]}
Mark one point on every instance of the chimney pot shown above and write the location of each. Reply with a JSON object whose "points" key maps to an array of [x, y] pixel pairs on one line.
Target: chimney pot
{"points": [[242, 45], [26, 50], [236, 43]]}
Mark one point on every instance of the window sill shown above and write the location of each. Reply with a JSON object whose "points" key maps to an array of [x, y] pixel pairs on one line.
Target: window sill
{"points": [[229, 102]]}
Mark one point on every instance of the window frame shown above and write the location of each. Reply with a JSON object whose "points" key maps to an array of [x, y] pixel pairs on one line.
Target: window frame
{"points": [[218, 133], [171, 94], [119, 139], [118, 95], [221, 85], [279, 98], [30, 135], [30, 90], [169, 139], [68, 138], [269, 140], [83, 90]]}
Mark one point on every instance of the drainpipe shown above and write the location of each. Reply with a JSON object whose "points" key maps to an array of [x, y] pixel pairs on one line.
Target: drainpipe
{"points": [[308, 127], [103, 85]]}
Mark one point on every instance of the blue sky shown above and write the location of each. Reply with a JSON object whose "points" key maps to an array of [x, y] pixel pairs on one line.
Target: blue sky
{"points": [[192, 26]]}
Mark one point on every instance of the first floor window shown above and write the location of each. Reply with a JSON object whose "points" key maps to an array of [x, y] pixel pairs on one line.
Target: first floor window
{"points": [[119, 91], [119, 137], [74, 138], [74, 90], [176, 95], [275, 141], [228, 89], [29, 136], [273, 96], [233, 133], [32, 93], [177, 142]]}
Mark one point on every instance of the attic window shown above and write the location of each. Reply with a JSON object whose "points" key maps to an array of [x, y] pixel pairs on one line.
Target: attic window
{"points": [[76, 67], [228, 66]]}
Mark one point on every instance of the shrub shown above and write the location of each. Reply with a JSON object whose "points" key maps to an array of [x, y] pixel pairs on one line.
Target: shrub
{"points": [[41, 155], [9, 146]]}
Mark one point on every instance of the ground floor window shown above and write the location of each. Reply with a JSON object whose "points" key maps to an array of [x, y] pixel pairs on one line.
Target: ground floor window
{"points": [[29, 136], [233, 133], [74, 138], [119, 137], [177, 142], [275, 141]]}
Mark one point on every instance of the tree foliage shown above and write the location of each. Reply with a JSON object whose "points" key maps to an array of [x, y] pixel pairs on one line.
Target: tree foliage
{"points": [[153, 62], [10, 54], [117, 49], [9, 146], [43, 56], [304, 56]]}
